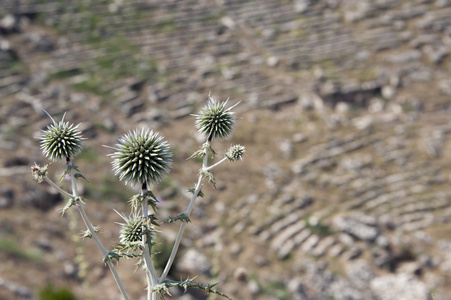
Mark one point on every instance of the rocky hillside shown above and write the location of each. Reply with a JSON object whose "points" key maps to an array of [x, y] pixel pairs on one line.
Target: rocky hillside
{"points": [[344, 191]]}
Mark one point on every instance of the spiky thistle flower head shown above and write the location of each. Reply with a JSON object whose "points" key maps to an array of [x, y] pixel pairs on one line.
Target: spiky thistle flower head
{"points": [[131, 230], [61, 140], [235, 152], [141, 157], [215, 121]]}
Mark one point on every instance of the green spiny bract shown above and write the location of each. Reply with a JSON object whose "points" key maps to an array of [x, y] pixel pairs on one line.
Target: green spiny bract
{"points": [[61, 140], [141, 157], [215, 121]]}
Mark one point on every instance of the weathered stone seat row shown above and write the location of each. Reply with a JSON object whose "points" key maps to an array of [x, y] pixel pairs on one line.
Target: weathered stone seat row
{"points": [[380, 192], [321, 44], [61, 63], [12, 84], [193, 37], [175, 24], [158, 14], [333, 152], [287, 233], [255, 10], [407, 12], [278, 226], [285, 214], [293, 243], [437, 20], [425, 205], [399, 204], [11, 80], [325, 41], [323, 247], [16, 7]]}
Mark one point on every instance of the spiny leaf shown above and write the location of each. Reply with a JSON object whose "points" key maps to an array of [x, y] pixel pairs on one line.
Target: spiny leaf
{"points": [[87, 233], [110, 256], [80, 175], [197, 154], [208, 174], [137, 200], [71, 202], [199, 194], [183, 217], [163, 288]]}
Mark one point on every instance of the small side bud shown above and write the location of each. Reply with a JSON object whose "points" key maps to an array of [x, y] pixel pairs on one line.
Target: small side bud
{"points": [[39, 172], [235, 152], [132, 230]]}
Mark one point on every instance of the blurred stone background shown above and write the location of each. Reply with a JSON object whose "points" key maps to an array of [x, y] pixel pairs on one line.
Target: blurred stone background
{"points": [[343, 193]]}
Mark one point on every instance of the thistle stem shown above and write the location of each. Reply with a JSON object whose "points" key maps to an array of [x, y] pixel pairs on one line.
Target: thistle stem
{"points": [[56, 187], [92, 230], [178, 239], [150, 272], [215, 165]]}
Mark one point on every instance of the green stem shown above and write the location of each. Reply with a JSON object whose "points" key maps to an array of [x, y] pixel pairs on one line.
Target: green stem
{"points": [[93, 233], [151, 275], [216, 164], [178, 239], [56, 187]]}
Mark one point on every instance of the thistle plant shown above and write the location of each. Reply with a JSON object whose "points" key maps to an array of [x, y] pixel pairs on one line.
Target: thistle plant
{"points": [[142, 157]]}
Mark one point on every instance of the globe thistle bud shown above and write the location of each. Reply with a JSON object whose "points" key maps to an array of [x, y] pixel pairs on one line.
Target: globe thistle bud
{"points": [[141, 157], [131, 231], [215, 121], [39, 172], [61, 140], [235, 152]]}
